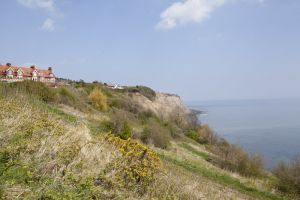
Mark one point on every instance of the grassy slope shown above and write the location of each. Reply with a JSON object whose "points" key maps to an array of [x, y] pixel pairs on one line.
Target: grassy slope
{"points": [[72, 136], [226, 179], [236, 186]]}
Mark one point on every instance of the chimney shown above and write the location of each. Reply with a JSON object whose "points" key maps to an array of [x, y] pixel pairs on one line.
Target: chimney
{"points": [[33, 67], [8, 64], [50, 69]]}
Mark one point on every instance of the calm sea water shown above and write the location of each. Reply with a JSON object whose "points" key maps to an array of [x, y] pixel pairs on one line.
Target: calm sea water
{"points": [[268, 127]]}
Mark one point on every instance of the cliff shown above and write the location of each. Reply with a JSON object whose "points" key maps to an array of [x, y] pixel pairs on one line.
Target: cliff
{"points": [[164, 105]]}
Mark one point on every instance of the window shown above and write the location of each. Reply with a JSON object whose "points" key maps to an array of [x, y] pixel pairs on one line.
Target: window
{"points": [[20, 75], [9, 74], [34, 76]]}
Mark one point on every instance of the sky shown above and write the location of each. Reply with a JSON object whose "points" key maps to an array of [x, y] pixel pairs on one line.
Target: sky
{"points": [[198, 49]]}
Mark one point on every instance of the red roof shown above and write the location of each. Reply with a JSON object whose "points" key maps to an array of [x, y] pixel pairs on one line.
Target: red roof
{"points": [[27, 71]]}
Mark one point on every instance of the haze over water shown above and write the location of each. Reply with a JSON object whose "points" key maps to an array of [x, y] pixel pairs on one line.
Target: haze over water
{"points": [[268, 127]]}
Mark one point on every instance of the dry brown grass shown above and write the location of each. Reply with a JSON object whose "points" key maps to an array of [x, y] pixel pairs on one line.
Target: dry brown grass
{"points": [[177, 183], [178, 152], [31, 135], [57, 154]]}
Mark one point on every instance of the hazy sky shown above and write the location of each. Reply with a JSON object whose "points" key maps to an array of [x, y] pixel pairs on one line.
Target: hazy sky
{"points": [[199, 49]]}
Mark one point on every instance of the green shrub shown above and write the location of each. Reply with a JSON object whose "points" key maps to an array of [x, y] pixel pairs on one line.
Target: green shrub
{"points": [[157, 135], [66, 97], [203, 135], [36, 89], [126, 132], [208, 136], [98, 99], [145, 116], [145, 135], [174, 130], [65, 93], [106, 126], [256, 165], [119, 126], [194, 135], [125, 104], [145, 91], [80, 83], [288, 175], [234, 158]]}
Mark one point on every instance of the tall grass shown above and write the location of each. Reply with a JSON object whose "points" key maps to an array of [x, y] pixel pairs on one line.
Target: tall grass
{"points": [[43, 156], [37, 90], [288, 174], [156, 134], [221, 178]]}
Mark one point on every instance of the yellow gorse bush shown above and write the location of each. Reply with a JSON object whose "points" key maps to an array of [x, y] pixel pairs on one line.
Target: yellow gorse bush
{"points": [[98, 99], [135, 168]]}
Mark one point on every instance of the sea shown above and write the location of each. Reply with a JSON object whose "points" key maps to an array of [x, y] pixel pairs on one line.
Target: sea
{"points": [[270, 127]]}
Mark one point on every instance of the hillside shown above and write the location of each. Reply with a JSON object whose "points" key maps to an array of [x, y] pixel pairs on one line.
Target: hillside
{"points": [[87, 141]]}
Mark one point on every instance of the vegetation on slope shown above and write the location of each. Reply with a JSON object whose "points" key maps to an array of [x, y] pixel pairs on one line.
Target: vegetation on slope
{"points": [[44, 155], [84, 141], [98, 99], [289, 176]]}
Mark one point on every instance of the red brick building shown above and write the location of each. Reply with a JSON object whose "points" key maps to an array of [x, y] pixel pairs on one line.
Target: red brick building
{"points": [[9, 73]]}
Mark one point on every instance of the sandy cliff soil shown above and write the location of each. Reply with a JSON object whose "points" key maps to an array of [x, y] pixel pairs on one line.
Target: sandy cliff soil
{"points": [[164, 105]]}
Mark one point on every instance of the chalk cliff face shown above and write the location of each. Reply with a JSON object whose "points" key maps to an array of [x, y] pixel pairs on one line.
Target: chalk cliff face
{"points": [[164, 105]]}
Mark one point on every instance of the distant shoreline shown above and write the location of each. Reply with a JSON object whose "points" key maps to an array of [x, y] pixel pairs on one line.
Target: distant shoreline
{"points": [[197, 112]]}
